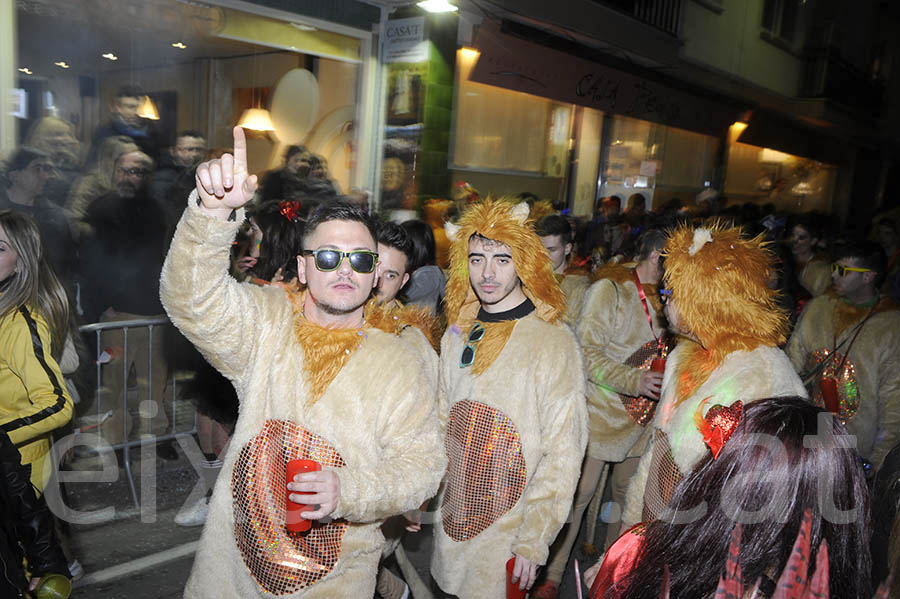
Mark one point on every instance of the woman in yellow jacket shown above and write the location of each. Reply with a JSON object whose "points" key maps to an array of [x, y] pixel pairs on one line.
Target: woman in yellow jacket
{"points": [[34, 314]]}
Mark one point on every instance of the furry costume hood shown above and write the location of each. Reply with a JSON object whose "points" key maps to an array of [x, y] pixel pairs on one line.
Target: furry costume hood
{"points": [[718, 279], [507, 223]]}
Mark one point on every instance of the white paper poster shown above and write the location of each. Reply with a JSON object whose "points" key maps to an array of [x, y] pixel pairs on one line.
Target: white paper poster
{"points": [[404, 40]]}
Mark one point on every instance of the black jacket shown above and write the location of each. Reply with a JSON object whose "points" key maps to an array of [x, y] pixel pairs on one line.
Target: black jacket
{"points": [[27, 528], [122, 258]]}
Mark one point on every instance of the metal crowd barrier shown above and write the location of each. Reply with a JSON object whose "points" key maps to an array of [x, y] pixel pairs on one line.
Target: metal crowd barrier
{"points": [[152, 324]]}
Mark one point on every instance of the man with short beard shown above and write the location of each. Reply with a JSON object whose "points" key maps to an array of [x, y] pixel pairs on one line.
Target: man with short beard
{"points": [[511, 397], [321, 374], [121, 260]]}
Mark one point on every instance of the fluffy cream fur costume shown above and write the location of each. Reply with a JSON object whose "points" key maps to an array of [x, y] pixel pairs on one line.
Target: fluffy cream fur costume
{"points": [[815, 276], [374, 423], [574, 285], [516, 423], [612, 329], [869, 377], [718, 280]]}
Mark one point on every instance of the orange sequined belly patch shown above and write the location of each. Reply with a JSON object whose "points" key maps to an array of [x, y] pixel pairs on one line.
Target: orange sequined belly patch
{"points": [[639, 408], [281, 562], [664, 477], [485, 472]]}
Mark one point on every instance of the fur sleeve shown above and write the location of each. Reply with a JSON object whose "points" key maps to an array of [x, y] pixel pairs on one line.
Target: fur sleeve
{"points": [[816, 277], [888, 391], [215, 312], [598, 324], [548, 496], [412, 459]]}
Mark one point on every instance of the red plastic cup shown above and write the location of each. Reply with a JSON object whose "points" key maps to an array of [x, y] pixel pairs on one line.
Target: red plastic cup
{"points": [[658, 365], [830, 394], [512, 590], [293, 520]]}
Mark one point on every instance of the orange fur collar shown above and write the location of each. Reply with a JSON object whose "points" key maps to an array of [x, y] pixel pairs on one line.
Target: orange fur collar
{"points": [[617, 273], [846, 315], [326, 350], [623, 274], [419, 317], [496, 334]]}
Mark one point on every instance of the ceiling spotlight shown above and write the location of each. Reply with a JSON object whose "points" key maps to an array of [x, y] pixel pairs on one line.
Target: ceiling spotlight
{"points": [[62, 64], [25, 70], [179, 45], [110, 56], [437, 6]]}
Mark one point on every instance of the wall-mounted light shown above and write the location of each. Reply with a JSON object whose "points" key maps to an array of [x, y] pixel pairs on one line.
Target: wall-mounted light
{"points": [[62, 64], [257, 119], [469, 53], [25, 70], [147, 110], [302, 26], [179, 45], [769, 155], [110, 56], [437, 6]]}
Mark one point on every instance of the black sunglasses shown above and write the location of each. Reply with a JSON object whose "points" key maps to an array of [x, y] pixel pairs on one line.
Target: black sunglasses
{"points": [[467, 357], [362, 261]]}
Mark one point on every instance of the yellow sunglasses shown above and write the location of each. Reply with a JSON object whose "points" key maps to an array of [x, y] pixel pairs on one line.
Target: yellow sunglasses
{"points": [[842, 270]]}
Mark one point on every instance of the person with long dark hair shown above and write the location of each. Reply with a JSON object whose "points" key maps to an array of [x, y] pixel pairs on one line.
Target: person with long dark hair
{"points": [[34, 320], [427, 281], [784, 456], [279, 232]]}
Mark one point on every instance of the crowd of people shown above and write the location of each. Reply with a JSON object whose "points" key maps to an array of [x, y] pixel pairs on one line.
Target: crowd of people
{"points": [[552, 358]]}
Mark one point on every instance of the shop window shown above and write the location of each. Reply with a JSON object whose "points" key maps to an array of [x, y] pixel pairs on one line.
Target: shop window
{"points": [[506, 141], [792, 183], [779, 18], [198, 67], [649, 159]]}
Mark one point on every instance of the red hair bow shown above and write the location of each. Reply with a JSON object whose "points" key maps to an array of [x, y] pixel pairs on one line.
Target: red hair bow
{"points": [[718, 425], [289, 209]]}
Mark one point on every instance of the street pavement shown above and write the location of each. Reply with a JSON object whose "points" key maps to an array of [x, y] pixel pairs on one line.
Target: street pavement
{"points": [[144, 554]]}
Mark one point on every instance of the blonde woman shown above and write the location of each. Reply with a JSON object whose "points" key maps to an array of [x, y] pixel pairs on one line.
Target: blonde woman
{"points": [[34, 316]]}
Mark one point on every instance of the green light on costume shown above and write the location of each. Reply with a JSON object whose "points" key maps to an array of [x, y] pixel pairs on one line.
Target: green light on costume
{"points": [[724, 393]]}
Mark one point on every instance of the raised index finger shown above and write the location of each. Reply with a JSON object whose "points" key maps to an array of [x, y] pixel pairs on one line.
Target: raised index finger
{"points": [[240, 150]]}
